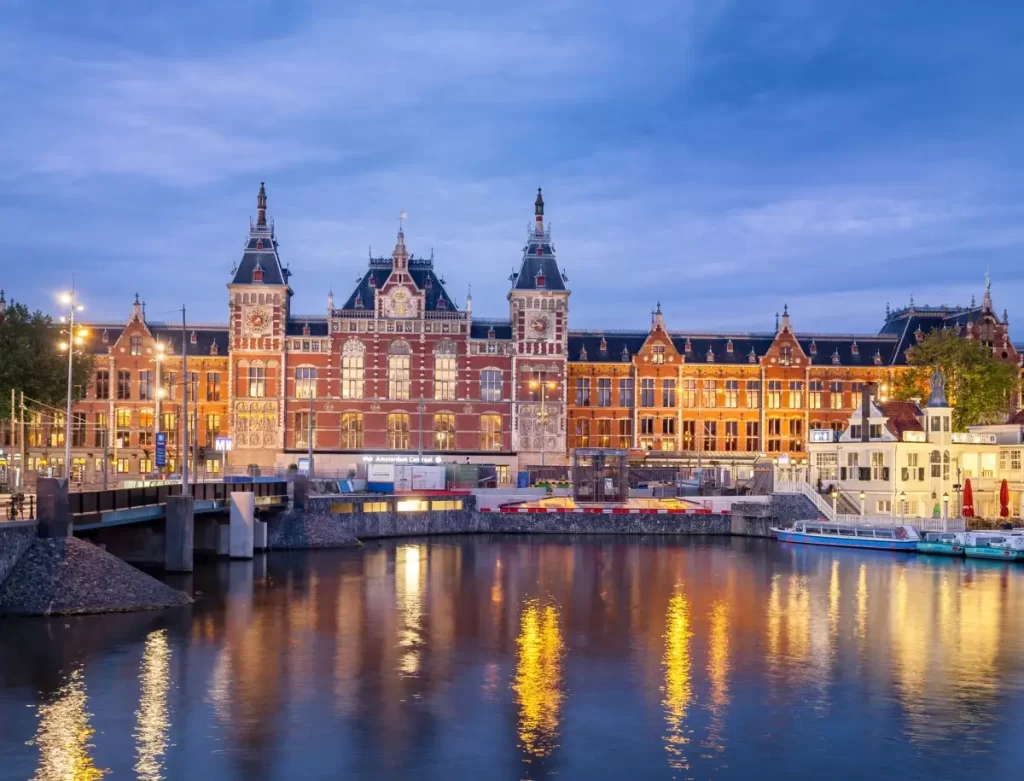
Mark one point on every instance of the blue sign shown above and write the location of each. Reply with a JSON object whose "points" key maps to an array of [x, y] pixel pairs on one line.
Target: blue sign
{"points": [[161, 448]]}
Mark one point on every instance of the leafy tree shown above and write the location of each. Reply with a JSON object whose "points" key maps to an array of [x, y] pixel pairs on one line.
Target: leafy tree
{"points": [[31, 361], [979, 387]]}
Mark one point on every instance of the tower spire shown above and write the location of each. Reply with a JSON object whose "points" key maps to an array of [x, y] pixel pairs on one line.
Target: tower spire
{"points": [[986, 302], [538, 211], [261, 207]]}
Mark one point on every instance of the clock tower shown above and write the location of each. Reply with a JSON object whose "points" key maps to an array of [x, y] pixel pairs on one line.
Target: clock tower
{"points": [[259, 296], [539, 308]]}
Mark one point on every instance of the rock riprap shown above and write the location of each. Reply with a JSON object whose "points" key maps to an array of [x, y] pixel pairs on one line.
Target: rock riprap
{"points": [[297, 530], [67, 576]]}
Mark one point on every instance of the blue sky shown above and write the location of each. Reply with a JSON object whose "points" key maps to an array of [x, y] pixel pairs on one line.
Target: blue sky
{"points": [[721, 157]]}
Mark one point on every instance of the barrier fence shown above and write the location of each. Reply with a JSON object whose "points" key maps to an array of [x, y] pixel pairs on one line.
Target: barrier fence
{"points": [[88, 502]]}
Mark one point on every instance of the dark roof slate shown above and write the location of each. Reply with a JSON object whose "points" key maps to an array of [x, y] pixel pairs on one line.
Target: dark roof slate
{"points": [[296, 323], [267, 257], [480, 329], [423, 276]]}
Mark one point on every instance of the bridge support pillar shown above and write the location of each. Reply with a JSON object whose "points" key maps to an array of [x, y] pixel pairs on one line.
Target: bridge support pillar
{"points": [[52, 509], [300, 492], [243, 510], [179, 534], [259, 535]]}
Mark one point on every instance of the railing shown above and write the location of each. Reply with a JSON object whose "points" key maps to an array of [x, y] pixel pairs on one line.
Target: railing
{"points": [[92, 502], [804, 488], [924, 524]]}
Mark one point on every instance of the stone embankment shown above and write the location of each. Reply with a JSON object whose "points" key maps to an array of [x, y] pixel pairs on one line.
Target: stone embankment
{"points": [[297, 530], [64, 575]]}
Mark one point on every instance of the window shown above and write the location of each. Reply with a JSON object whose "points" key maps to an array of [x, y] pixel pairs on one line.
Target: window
{"points": [[582, 391], [884, 506], [444, 431], [103, 384], [78, 429], [582, 432], [646, 427], [146, 385], [145, 428], [774, 394], [878, 470], [753, 394], [935, 459], [709, 396], [856, 388], [305, 382], [945, 423], [213, 386], [352, 430], [626, 392], [855, 431], [689, 393], [213, 466], [936, 423], [352, 367], [753, 431], [444, 377], [796, 394], [398, 429], [945, 465], [145, 466], [490, 385], [732, 393], [398, 378], [796, 433], [604, 393], [212, 429], [122, 466], [710, 434], [169, 425], [100, 431], [1015, 459], [302, 424], [732, 437], [135, 345], [169, 381], [604, 432], [827, 465], [668, 427], [668, 394], [835, 389], [257, 382], [57, 430], [124, 385], [647, 392], [874, 431], [814, 394], [490, 432], [774, 435], [192, 389], [626, 433], [786, 355], [658, 353], [689, 435]]}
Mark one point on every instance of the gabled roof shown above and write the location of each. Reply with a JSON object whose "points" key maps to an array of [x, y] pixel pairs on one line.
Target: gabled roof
{"points": [[421, 270], [901, 416]]}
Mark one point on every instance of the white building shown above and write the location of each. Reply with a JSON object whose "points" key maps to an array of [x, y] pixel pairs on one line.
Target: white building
{"points": [[898, 458]]}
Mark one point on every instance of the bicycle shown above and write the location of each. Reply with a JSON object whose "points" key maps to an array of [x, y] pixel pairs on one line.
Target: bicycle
{"points": [[16, 507]]}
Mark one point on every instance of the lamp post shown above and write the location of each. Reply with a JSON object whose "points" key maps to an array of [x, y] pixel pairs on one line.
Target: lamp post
{"points": [[544, 386], [835, 501], [70, 300], [862, 497], [945, 505], [903, 504]]}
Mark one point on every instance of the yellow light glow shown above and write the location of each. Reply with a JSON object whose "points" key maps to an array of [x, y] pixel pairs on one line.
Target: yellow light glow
{"points": [[79, 340], [408, 587], [65, 298], [159, 347], [534, 384], [79, 308], [538, 681], [152, 722], [63, 345], [83, 332], [718, 656], [63, 735], [678, 689]]}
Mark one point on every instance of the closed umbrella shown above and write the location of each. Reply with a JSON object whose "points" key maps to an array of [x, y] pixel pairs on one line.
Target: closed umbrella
{"points": [[1004, 500], [968, 508]]}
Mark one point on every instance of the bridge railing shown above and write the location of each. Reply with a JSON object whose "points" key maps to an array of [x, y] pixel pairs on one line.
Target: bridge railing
{"points": [[92, 502]]}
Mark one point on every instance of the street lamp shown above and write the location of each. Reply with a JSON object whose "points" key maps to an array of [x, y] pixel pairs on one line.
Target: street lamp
{"points": [[835, 498], [945, 505], [544, 386], [74, 338], [903, 504], [862, 497]]}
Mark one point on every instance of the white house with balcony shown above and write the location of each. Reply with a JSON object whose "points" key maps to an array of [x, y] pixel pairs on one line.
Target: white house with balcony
{"points": [[899, 459]]}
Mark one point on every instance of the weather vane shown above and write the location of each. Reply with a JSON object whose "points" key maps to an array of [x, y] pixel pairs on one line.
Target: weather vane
{"points": [[402, 217]]}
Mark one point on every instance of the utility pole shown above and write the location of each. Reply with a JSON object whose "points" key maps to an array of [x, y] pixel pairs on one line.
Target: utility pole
{"points": [[310, 433], [184, 404], [73, 305], [106, 466], [13, 479], [21, 442]]}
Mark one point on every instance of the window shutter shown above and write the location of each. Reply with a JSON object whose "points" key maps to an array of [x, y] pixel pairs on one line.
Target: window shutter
{"points": [[905, 474], [920, 474], [842, 473], [885, 473]]}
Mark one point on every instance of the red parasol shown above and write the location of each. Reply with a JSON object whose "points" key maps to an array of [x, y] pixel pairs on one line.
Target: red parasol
{"points": [[967, 510], [1004, 500]]}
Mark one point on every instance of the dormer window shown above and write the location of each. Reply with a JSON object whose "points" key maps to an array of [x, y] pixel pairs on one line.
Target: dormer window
{"points": [[305, 329], [729, 347], [854, 349], [877, 358], [194, 338], [213, 348], [688, 347], [583, 353], [658, 353], [625, 354], [359, 301], [259, 244], [440, 303], [814, 348], [257, 273], [918, 334], [835, 357], [106, 336], [786, 353], [428, 285], [539, 279], [604, 345], [710, 357], [373, 281], [753, 356]]}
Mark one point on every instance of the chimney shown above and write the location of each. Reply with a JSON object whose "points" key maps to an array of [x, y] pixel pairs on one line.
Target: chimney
{"points": [[867, 391]]}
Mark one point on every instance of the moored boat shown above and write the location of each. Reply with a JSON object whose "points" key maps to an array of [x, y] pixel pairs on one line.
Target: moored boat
{"points": [[942, 543], [895, 538], [1004, 546]]}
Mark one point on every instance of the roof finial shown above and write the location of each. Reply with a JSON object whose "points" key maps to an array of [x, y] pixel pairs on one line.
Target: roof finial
{"points": [[402, 217], [261, 207], [987, 301], [538, 212], [911, 300], [888, 311], [776, 321], [330, 299]]}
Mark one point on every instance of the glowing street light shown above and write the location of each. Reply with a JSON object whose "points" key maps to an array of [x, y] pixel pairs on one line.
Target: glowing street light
{"points": [[70, 300]]}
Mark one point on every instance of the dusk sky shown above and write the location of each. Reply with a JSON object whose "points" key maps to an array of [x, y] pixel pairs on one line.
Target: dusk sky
{"points": [[724, 158]]}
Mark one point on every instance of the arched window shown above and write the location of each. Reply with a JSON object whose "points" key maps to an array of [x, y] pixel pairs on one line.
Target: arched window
{"points": [[445, 371], [399, 357], [352, 430], [936, 462], [353, 358], [490, 431]]}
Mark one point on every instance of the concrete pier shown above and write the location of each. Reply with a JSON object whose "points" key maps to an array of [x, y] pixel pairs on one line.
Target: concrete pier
{"points": [[179, 535], [300, 492], [259, 536], [52, 509], [243, 509]]}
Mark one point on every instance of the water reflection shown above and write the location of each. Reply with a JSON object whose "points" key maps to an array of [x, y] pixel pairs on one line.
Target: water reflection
{"points": [[64, 735], [678, 689], [152, 720], [408, 585], [538, 679], [718, 671]]}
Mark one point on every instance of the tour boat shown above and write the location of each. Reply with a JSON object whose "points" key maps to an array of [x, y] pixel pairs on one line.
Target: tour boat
{"points": [[1005, 546], [896, 538], [942, 543]]}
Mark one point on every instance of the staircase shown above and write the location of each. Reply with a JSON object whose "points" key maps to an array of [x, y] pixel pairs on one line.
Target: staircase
{"points": [[805, 488]]}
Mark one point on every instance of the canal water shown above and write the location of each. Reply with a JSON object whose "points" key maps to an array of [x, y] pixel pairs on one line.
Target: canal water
{"points": [[535, 657]]}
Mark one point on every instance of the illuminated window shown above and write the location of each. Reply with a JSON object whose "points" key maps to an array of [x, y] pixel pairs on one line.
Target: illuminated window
{"points": [[446, 504], [490, 432], [352, 369], [709, 397], [835, 388], [814, 394], [774, 394], [490, 385], [398, 430], [689, 393], [626, 432], [658, 353], [444, 377], [123, 466], [444, 431], [398, 376], [301, 428], [213, 466], [305, 382], [375, 507], [753, 394], [135, 345], [352, 430], [689, 435], [796, 394], [145, 466], [604, 432], [732, 393], [732, 437], [257, 382], [582, 432], [213, 386], [412, 505]]}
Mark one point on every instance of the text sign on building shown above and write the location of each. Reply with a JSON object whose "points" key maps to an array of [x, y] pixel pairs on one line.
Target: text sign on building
{"points": [[402, 459], [822, 435], [161, 448], [222, 444]]}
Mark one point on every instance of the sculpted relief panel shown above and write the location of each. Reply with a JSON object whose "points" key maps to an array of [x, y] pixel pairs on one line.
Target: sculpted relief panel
{"points": [[255, 424]]}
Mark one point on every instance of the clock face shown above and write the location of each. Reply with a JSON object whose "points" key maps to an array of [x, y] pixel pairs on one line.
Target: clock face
{"points": [[539, 326], [257, 320]]}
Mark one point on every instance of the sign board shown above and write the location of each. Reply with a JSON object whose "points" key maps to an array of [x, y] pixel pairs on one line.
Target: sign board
{"points": [[822, 435], [161, 448], [303, 465], [380, 478], [402, 459], [222, 444]]}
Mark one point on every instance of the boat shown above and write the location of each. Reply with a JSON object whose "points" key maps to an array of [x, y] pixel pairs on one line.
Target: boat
{"points": [[895, 538], [942, 543], [1004, 546]]}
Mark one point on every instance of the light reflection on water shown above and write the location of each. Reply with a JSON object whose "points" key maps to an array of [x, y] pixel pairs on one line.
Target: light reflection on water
{"points": [[591, 658]]}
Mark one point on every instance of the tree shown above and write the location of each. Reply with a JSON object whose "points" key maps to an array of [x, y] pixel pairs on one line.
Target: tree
{"points": [[979, 387], [31, 361]]}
